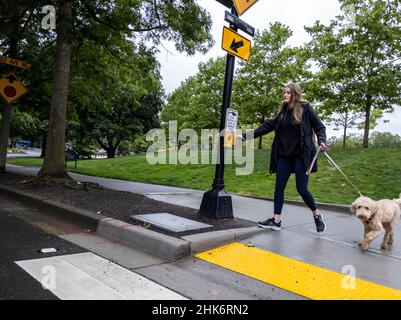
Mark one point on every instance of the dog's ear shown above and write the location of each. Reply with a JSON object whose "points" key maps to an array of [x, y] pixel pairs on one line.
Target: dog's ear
{"points": [[353, 208]]}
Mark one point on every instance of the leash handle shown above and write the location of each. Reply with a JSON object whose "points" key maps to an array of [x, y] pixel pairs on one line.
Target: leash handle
{"points": [[313, 162]]}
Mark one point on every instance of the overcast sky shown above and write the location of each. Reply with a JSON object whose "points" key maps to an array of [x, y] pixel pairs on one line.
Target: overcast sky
{"points": [[176, 67]]}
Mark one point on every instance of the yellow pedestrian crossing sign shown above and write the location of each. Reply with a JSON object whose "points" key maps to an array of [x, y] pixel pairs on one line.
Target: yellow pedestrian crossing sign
{"points": [[11, 88], [236, 44], [242, 5]]}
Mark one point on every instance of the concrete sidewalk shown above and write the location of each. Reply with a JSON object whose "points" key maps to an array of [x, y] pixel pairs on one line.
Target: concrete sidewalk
{"points": [[245, 208]]}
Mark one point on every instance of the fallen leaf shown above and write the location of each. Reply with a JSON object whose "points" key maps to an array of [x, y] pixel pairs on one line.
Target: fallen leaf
{"points": [[214, 292]]}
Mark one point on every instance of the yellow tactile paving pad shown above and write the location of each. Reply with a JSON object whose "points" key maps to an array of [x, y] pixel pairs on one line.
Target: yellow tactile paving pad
{"points": [[298, 277]]}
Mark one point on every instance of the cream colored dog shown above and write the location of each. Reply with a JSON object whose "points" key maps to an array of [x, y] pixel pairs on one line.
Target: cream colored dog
{"points": [[377, 216]]}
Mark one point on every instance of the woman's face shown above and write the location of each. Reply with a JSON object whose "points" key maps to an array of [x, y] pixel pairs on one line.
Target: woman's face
{"points": [[287, 95]]}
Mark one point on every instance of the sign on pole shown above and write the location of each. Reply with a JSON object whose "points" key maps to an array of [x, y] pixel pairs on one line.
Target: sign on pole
{"points": [[231, 127], [236, 45], [11, 88], [238, 23], [15, 62], [242, 5]]}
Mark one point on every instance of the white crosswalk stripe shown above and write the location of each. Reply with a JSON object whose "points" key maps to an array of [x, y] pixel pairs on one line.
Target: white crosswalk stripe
{"points": [[86, 276]]}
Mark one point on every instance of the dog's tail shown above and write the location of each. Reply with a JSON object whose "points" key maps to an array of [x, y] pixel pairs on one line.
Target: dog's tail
{"points": [[399, 201]]}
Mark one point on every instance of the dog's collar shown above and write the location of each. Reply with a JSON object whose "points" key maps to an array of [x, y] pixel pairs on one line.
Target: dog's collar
{"points": [[371, 218]]}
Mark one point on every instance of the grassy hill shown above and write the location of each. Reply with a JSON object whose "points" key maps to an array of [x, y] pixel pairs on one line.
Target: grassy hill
{"points": [[376, 172]]}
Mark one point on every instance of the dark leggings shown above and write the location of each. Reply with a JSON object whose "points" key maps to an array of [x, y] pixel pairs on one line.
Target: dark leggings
{"points": [[284, 168]]}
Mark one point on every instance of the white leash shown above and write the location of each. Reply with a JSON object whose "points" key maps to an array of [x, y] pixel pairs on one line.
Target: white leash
{"points": [[331, 161], [313, 161]]}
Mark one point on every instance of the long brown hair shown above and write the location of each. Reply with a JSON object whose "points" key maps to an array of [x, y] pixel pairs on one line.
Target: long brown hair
{"points": [[295, 104]]}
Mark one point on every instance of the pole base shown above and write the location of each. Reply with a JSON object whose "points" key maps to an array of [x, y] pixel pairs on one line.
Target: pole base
{"points": [[217, 204]]}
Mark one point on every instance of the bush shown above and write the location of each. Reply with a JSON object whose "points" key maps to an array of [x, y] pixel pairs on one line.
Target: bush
{"points": [[354, 140], [124, 148], [376, 140], [140, 144], [385, 140]]}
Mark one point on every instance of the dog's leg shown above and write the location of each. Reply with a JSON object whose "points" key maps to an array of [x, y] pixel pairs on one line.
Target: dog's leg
{"points": [[387, 236], [370, 236], [366, 230], [390, 239]]}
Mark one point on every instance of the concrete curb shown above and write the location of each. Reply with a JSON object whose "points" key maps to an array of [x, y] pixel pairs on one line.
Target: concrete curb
{"points": [[81, 217], [150, 241], [205, 241], [147, 240]]}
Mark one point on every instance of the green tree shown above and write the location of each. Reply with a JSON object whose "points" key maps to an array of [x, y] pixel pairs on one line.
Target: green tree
{"points": [[346, 120], [109, 100], [20, 24], [24, 126], [359, 60], [110, 23]]}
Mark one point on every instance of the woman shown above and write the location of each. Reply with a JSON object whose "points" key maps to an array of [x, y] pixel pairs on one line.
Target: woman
{"points": [[293, 150]]}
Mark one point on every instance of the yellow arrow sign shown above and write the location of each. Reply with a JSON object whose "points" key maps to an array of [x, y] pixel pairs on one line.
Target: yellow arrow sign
{"points": [[15, 62], [11, 88], [243, 5], [236, 44]]}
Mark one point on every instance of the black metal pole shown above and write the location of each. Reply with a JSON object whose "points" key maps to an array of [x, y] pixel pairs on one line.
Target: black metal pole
{"points": [[216, 203], [228, 84]]}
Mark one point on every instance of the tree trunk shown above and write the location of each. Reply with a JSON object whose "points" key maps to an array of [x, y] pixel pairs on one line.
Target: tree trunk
{"points": [[345, 137], [368, 108], [111, 154], [345, 130], [6, 115], [4, 135], [54, 163], [44, 138]]}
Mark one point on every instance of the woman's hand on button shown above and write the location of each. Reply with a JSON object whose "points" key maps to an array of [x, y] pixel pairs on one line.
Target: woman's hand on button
{"points": [[239, 138]]}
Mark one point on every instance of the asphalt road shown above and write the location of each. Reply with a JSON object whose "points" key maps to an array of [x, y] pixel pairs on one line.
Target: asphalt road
{"points": [[19, 241]]}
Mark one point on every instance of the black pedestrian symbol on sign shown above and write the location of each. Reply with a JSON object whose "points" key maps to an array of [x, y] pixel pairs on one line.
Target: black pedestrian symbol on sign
{"points": [[11, 78], [236, 45]]}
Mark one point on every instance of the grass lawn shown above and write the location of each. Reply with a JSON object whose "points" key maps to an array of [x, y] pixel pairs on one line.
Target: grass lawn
{"points": [[376, 172]]}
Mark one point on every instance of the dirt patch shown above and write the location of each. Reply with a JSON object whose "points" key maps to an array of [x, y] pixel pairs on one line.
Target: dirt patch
{"points": [[113, 204]]}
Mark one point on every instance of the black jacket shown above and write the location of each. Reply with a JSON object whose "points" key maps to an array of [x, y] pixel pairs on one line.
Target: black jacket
{"points": [[310, 123]]}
